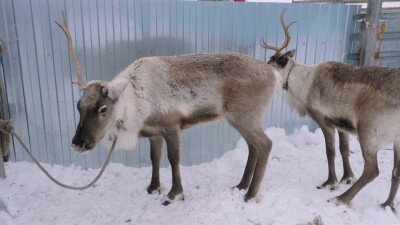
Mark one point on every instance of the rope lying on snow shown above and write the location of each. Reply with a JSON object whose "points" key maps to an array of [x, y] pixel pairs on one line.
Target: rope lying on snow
{"points": [[6, 127]]}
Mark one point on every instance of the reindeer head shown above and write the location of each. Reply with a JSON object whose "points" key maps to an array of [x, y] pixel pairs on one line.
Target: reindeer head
{"points": [[282, 62], [96, 106], [97, 110]]}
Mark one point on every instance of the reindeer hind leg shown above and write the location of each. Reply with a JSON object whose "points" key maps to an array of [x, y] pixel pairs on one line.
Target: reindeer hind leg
{"points": [[395, 177], [369, 149], [348, 176]]}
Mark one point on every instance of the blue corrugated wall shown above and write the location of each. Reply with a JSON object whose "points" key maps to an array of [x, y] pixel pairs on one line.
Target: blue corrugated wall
{"points": [[109, 35]]}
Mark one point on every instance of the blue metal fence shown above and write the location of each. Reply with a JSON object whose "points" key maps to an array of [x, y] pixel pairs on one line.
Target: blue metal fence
{"points": [[109, 35]]}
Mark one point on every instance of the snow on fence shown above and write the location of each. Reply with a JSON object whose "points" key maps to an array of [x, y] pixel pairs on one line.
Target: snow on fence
{"points": [[109, 35]]}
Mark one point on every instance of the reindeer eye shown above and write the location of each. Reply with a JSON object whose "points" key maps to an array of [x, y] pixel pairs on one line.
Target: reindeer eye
{"points": [[103, 109]]}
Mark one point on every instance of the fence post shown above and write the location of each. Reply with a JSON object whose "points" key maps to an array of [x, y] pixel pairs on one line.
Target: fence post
{"points": [[4, 139], [370, 29]]}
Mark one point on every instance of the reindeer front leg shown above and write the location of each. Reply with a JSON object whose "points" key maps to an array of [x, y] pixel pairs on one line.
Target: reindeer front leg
{"points": [[249, 169], [156, 143], [329, 135], [172, 138]]}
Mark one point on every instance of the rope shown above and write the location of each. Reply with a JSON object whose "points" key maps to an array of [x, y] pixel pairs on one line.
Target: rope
{"points": [[6, 127]]}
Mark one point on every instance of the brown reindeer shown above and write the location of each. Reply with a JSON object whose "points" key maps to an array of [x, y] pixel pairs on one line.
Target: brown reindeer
{"points": [[364, 101], [157, 97]]}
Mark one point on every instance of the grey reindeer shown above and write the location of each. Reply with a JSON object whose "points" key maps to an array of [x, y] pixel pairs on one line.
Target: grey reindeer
{"points": [[157, 97], [281, 62], [360, 100]]}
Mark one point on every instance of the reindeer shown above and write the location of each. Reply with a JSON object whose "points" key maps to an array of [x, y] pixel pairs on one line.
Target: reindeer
{"points": [[281, 61], [157, 97], [358, 100]]}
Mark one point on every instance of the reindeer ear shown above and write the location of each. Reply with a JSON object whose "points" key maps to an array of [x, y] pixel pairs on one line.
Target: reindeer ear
{"points": [[104, 91], [116, 90]]}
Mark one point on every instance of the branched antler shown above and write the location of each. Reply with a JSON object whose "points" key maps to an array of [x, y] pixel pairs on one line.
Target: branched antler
{"points": [[287, 36], [79, 80]]}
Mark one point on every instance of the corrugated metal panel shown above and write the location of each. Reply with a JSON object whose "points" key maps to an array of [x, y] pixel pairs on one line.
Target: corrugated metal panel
{"points": [[389, 52], [109, 35]]}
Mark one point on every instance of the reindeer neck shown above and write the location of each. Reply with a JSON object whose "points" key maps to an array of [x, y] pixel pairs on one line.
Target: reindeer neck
{"points": [[300, 80]]}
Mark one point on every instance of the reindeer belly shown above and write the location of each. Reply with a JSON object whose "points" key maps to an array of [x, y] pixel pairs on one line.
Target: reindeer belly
{"points": [[336, 112], [341, 124], [200, 115], [186, 118]]}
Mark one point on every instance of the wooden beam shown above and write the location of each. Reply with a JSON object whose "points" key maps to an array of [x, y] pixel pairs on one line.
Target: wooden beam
{"points": [[385, 36], [370, 28], [393, 54], [4, 139]]}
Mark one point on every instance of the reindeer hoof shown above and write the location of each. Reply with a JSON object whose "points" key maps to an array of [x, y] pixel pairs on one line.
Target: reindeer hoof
{"points": [[348, 180], [337, 201], [241, 186], [390, 205], [177, 198], [248, 197], [153, 190], [165, 203], [331, 185]]}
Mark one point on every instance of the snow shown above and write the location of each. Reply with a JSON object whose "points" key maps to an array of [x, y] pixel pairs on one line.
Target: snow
{"points": [[288, 194]]}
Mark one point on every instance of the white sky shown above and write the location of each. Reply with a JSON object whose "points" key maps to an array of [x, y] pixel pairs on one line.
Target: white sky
{"points": [[385, 4]]}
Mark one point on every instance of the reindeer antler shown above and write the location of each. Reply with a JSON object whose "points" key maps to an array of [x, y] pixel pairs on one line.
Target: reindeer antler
{"points": [[79, 80], [287, 36]]}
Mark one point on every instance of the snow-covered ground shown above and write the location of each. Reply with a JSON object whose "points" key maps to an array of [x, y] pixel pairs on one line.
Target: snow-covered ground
{"points": [[287, 196]]}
